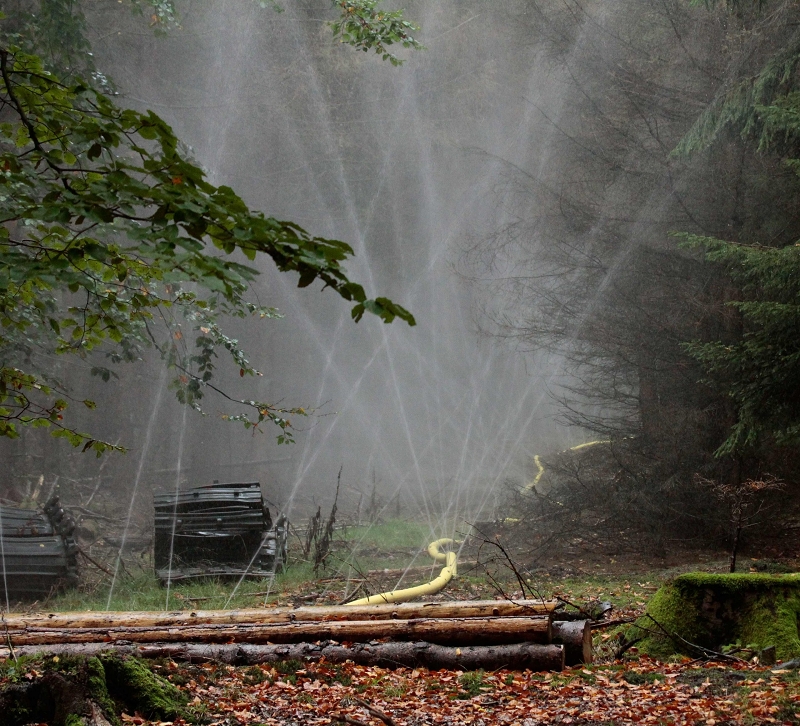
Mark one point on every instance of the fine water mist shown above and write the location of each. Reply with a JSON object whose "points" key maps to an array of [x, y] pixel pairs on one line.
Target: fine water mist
{"points": [[400, 163]]}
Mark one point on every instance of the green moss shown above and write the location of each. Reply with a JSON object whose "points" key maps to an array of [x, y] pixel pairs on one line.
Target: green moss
{"points": [[98, 689], [714, 610], [132, 682], [74, 720]]}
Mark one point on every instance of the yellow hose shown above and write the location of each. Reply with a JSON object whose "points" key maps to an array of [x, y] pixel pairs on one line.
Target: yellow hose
{"points": [[449, 571], [536, 460]]}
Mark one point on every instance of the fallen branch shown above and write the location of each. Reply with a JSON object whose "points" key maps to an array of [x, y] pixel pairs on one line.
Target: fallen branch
{"points": [[348, 719], [611, 623], [377, 713], [95, 563], [707, 653], [186, 598]]}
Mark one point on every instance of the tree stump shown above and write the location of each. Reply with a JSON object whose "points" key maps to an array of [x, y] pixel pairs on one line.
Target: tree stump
{"points": [[700, 611], [88, 691]]}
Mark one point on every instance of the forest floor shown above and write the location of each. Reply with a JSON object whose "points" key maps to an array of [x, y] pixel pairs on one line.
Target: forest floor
{"points": [[632, 689], [639, 690]]}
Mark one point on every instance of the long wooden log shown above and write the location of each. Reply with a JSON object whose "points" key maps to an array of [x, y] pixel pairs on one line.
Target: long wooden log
{"points": [[446, 631], [517, 656], [576, 637], [399, 611]]}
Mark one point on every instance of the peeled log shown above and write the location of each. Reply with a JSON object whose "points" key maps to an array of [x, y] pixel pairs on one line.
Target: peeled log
{"points": [[400, 611], [446, 631], [518, 656], [576, 637]]}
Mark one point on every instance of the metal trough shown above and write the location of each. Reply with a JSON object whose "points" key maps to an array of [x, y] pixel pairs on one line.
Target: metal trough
{"points": [[38, 554], [220, 530]]}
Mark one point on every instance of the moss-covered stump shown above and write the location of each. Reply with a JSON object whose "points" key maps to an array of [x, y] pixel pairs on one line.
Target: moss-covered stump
{"points": [[80, 691], [713, 611]]}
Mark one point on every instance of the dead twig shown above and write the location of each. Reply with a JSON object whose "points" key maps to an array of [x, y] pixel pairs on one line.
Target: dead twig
{"points": [[322, 545], [610, 623], [377, 713], [706, 652], [8, 638], [348, 719], [351, 596], [196, 599], [625, 646], [89, 514], [524, 586], [95, 563], [572, 604]]}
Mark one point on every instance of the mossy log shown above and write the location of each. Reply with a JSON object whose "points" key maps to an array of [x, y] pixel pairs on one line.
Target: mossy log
{"points": [[517, 656], [89, 690], [445, 631], [700, 611], [314, 613]]}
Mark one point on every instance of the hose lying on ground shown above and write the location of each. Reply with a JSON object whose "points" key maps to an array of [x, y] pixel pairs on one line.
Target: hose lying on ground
{"points": [[449, 571]]}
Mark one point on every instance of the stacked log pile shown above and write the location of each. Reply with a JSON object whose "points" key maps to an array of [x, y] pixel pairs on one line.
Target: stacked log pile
{"points": [[478, 634]]}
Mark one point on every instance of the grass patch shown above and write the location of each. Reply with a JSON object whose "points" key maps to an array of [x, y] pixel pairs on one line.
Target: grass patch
{"points": [[143, 592], [253, 676], [288, 667], [721, 681], [394, 544], [389, 545], [472, 683], [393, 534], [637, 678]]}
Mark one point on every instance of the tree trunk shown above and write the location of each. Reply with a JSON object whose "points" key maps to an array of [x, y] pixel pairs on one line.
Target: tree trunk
{"points": [[446, 631], [518, 656], [398, 611]]}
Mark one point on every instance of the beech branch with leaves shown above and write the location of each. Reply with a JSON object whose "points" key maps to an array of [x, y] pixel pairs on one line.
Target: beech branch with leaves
{"points": [[111, 239]]}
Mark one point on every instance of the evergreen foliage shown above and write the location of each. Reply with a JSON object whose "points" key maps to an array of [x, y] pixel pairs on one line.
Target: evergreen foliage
{"points": [[737, 108], [759, 369]]}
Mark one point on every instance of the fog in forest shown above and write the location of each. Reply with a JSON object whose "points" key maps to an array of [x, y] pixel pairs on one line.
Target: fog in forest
{"points": [[570, 197], [401, 163]]}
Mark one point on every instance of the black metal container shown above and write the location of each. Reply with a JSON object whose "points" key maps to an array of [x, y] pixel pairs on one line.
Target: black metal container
{"points": [[219, 530]]}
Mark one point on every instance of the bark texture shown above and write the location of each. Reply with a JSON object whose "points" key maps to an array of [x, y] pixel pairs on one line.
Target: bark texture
{"points": [[517, 656], [399, 611], [445, 631]]}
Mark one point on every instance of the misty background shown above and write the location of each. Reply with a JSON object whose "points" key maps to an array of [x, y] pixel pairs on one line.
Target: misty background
{"points": [[405, 165]]}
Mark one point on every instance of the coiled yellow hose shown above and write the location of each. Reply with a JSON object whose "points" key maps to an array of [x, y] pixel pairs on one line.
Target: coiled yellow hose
{"points": [[449, 571]]}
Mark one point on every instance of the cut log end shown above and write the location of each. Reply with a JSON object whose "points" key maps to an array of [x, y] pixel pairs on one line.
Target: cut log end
{"points": [[576, 637]]}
